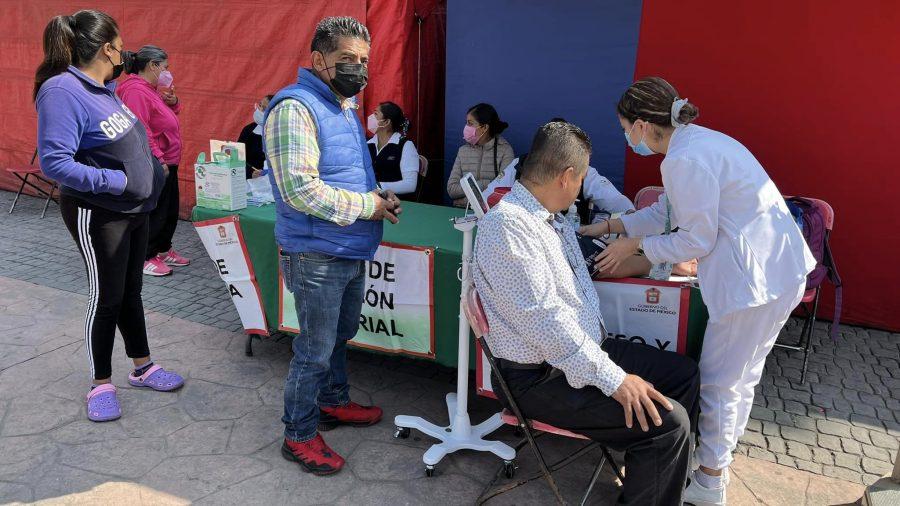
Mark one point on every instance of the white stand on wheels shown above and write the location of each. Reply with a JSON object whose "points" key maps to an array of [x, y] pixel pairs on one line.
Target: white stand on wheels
{"points": [[460, 435]]}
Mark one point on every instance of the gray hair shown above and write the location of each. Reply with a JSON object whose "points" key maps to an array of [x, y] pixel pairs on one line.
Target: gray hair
{"points": [[136, 62], [330, 29], [556, 146]]}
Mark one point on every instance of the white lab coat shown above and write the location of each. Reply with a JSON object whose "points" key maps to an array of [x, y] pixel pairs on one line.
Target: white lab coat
{"points": [[596, 187], [730, 216]]}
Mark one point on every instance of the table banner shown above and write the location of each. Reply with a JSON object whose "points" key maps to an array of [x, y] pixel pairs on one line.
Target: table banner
{"points": [[224, 243], [653, 313], [398, 304]]}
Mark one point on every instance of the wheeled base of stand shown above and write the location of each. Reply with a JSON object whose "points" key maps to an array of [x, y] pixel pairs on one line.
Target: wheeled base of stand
{"points": [[459, 435]]}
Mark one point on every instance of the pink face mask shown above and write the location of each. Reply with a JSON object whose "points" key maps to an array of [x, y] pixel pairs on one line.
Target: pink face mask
{"points": [[372, 123], [165, 79], [470, 135]]}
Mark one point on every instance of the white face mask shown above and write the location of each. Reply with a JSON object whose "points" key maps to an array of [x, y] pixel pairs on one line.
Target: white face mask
{"points": [[258, 116]]}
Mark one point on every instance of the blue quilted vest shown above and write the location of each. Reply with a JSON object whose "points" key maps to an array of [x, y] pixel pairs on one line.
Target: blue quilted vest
{"points": [[344, 162]]}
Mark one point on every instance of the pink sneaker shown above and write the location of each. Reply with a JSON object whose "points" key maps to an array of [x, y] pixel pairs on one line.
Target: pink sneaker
{"points": [[173, 258], [156, 267]]}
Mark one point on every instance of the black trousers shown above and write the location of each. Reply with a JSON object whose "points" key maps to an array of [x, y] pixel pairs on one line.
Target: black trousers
{"points": [[164, 219], [656, 462], [113, 246]]}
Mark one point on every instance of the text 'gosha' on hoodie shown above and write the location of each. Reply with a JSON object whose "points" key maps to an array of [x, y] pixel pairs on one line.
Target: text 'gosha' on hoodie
{"points": [[94, 147], [159, 118]]}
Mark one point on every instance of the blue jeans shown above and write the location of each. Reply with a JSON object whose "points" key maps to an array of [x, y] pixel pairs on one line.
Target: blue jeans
{"points": [[328, 295]]}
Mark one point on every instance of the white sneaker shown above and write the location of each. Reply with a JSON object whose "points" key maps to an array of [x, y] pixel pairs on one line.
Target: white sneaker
{"points": [[698, 495]]}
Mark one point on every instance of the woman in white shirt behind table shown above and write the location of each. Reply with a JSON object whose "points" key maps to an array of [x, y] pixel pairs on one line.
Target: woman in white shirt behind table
{"points": [[394, 157], [753, 260]]}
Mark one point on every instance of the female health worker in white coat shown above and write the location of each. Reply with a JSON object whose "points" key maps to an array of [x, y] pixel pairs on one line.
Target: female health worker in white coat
{"points": [[752, 258]]}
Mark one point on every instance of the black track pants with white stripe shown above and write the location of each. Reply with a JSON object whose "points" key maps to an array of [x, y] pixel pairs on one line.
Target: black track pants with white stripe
{"points": [[113, 246]]}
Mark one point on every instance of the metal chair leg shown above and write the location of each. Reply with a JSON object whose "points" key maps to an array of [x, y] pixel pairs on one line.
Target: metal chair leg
{"points": [[488, 494], [18, 193], [809, 334], [47, 203], [613, 464], [543, 464], [805, 328], [594, 478]]}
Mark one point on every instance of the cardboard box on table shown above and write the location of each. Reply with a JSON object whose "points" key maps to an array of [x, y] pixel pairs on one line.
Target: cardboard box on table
{"points": [[221, 182]]}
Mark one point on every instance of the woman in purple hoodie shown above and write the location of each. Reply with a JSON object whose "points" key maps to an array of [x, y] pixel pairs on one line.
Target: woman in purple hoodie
{"points": [[147, 90], [96, 149]]}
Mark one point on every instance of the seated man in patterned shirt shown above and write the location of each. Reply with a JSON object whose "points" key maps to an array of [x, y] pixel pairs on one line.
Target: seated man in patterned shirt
{"points": [[547, 330]]}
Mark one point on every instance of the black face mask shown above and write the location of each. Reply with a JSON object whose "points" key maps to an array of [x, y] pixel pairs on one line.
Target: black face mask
{"points": [[349, 78], [117, 69]]}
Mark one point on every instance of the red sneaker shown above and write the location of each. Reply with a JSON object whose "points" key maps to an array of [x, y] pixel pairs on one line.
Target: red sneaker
{"points": [[314, 456], [349, 414]]}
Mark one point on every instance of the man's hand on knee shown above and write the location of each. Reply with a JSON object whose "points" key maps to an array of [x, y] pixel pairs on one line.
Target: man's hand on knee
{"points": [[637, 396]]}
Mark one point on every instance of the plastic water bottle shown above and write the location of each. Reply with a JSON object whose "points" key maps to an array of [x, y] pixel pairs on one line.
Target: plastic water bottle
{"points": [[573, 217], [661, 272]]}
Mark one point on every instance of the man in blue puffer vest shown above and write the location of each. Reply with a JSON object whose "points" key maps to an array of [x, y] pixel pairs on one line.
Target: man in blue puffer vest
{"points": [[329, 222]]}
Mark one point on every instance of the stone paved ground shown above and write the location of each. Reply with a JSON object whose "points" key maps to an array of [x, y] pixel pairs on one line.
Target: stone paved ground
{"points": [[41, 251], [216, 441], [844, 422]]}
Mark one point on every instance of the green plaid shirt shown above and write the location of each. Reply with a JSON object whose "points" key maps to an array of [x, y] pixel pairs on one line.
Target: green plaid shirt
{"points": [[292, 149]]}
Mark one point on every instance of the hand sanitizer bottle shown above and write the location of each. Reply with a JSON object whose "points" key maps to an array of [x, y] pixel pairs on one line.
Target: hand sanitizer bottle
{"points": [[573, 217]]}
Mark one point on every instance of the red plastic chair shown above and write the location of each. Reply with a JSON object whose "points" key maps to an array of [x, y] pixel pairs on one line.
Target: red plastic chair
{"points": [[474, 312], [810, 301], [647, 196], [23, 173], [498, 194]]}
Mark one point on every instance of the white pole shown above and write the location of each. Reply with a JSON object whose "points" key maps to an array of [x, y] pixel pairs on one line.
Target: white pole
{"points": [[461, 424]]}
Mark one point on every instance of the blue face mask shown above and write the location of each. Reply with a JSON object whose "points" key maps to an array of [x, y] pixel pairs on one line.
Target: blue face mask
{"points": [[641, 148]]}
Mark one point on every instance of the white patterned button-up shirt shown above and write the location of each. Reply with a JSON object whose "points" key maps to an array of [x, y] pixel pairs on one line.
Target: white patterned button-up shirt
{"points": [[539, 299]]}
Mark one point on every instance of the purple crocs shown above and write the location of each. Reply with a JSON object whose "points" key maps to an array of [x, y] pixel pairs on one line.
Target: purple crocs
{"points": [[157, 378], [102, 404]]}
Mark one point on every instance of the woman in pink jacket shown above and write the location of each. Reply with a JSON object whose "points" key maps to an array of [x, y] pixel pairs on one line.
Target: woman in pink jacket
{"points": [[147, 90]]}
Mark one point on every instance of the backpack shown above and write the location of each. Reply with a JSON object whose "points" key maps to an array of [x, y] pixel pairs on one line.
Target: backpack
{"points": [[812, 224]]}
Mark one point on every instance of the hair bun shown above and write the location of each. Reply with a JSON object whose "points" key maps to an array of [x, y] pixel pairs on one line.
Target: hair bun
{"points": [[688, 113]]}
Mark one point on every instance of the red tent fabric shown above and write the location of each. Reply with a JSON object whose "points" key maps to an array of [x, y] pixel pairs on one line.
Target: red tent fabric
{"points": [[224, 56], [807, 88], [407, 68]]}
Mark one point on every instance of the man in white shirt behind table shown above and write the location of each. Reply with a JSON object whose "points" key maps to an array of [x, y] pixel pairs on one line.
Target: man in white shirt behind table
{"points": [[547, 330]]}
